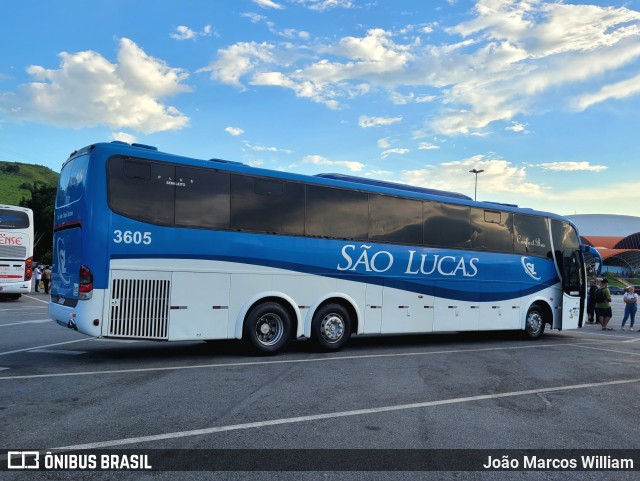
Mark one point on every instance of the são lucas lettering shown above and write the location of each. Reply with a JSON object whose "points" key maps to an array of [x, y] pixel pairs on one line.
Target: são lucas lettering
{"points": [[417, 264]]}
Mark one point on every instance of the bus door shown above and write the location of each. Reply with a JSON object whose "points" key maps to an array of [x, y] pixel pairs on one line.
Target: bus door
{"points": [[573, 291]]}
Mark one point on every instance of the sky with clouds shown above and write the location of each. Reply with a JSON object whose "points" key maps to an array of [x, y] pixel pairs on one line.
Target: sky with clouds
{"points": [[543, 96]]}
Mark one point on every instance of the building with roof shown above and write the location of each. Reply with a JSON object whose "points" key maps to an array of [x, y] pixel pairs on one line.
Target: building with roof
{"points": [[615, 237]]}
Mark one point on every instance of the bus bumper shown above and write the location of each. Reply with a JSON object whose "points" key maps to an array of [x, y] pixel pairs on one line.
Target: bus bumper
{"points": [[15, 287], [84, 317]]}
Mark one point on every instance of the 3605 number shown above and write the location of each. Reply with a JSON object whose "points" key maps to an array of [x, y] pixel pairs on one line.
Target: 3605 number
{"points": [[131, 237]]}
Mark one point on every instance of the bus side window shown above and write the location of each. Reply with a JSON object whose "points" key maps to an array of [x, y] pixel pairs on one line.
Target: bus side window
{"points": [[202, 198], [142, 190], [447, 225], [265, 205], [531, 235], [392, 219], [493, 230], [336, 213]]}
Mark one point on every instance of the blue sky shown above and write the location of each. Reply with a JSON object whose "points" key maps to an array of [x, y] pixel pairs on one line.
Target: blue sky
{"points": [[544, 96]]}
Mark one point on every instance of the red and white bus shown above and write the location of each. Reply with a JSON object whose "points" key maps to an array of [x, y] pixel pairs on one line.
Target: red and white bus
{"points": [[16, 251]]}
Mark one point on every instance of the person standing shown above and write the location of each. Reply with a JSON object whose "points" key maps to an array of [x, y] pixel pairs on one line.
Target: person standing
{"points": [[46, 279], [603, 305], [37, 272], [591, 301], [630, 307]]}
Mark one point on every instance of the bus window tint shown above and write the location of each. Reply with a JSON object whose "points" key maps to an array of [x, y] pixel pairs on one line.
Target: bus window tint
{"points": [[142, 190], [202, 198], [447, 225], [336, 213], [532, 235], [266, 205], [395, 220], [492, 230], [72, 181], [13, 219]]}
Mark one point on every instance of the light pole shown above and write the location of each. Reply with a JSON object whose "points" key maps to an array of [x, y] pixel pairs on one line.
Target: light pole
{"points": [[476, 171]]}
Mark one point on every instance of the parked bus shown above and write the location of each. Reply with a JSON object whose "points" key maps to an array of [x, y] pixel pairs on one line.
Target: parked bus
{"points": [[16, 251], [149, 245]]}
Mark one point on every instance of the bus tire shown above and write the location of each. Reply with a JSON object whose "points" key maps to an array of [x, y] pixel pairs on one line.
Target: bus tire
{"points": [[534, 323], [267, 328], [331, 327]]}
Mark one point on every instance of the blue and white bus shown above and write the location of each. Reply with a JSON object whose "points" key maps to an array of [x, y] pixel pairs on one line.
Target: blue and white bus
{"points": [[149, 245]]}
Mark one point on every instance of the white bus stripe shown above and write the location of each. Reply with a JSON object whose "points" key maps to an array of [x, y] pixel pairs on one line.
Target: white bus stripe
{"points": [[335, 415]]}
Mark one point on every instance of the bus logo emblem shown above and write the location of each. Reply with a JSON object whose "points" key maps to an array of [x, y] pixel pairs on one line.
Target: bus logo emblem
{"points": [[530, 268], [62, 263]]}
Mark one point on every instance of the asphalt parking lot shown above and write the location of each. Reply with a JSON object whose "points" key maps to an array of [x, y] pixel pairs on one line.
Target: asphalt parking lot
{"points": [[577, 390]]}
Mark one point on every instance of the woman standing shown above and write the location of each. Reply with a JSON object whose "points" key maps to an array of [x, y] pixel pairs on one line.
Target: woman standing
{"points": [[630, 307]]}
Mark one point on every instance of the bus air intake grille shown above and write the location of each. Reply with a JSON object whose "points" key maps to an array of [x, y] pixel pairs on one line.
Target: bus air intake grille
{"points": [[139, 308]]}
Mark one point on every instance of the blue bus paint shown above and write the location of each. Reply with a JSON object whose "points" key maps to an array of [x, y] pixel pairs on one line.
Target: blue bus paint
{"points": [[88, 232]]}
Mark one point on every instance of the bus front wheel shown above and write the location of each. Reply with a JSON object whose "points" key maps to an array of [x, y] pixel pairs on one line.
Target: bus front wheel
{"points": [[331, 327], [534, 323], [267, 328]]}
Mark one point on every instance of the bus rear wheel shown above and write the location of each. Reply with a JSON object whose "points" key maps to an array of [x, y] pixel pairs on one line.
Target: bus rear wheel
{"points": [[267, 328], [331, 327], [534, 323]]}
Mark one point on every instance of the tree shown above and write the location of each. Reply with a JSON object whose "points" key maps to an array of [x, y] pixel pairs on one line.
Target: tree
{"points": [[42, 202]]}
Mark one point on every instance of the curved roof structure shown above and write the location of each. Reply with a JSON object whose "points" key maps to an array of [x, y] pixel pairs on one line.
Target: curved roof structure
{"points": [[616, 238]]}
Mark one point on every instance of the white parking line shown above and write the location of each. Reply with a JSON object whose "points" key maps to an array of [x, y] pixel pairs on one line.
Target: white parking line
{"points": [[269, 363], [23, 308], [336, 415], [610, 350], [36, 299], [37, 321], [40, 347], [58, 351]]}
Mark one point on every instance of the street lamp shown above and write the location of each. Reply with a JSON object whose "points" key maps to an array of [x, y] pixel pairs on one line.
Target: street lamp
{"points": [[476, 171]]}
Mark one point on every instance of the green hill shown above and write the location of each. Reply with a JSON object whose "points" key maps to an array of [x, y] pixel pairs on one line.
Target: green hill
{"points": [[15, 176]]}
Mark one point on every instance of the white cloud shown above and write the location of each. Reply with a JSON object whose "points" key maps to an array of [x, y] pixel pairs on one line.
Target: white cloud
{"points": [[123, 137], [366, 122], [572, 166], [88, 90], [319, 160], [383, 143], [235, 131], [399, 99], [388, 152], [496, 66], [183, 32], [499, 179], [268, 4], [427, 146], [618, 91], [238, 60], [517, 127], [322, 5], [264, 148]]}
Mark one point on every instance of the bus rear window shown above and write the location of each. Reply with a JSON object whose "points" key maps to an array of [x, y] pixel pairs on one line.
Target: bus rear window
{"points": [[13, 219], [72, 181]]}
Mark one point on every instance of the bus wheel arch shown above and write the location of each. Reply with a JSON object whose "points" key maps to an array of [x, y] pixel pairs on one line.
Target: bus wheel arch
{"points": [[268, 323], [332, 324], [538, 315]]}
